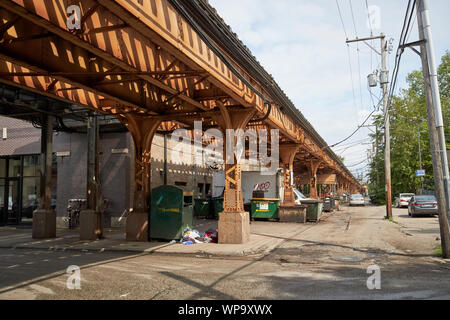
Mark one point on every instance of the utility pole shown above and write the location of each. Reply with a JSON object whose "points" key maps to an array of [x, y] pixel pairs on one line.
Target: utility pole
{"points": [[435, 123], [384, 86], [420, 160], [387, 131]]}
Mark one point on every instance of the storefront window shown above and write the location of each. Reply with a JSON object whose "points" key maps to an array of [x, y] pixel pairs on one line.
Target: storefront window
{"points": [[30, 196], [2, 193], [2, 167], [31, 166], [14, 167]]}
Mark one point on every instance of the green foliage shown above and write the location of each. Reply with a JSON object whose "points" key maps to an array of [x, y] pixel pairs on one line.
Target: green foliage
{"points": [[408, 126], [438, 251]]}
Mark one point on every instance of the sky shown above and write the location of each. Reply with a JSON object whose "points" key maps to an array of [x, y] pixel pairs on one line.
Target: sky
{"points": [[302, 44]]}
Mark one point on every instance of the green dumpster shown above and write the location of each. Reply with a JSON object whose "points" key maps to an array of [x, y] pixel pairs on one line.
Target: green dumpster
{"points": [[216, 207], [171, 212], [201, 208], [314, 210], [264, 208]]}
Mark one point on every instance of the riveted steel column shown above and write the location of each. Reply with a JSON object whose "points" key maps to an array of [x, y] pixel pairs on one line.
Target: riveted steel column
{"points": [[44, 218], [234, 222], [287, 155], [313, 166], [91, 219], [142, 130]]}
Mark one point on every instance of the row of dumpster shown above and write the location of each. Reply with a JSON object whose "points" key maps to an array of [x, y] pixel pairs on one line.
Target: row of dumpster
{"points": [[262, 208], [172, 210]]}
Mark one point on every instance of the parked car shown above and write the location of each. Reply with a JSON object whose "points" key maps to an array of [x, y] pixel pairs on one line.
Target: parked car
{"points": [[402, 201], [423, 205], [357, 200]]}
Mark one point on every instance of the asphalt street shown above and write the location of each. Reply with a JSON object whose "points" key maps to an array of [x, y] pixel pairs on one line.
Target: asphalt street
{"points": [[328, 260]]}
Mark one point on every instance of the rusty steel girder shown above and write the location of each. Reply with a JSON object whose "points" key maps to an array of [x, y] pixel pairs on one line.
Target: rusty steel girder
{"points": [[130, 56]]}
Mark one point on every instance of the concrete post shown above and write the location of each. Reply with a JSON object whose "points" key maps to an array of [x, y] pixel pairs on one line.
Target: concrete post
{"points": [[44, 218]]}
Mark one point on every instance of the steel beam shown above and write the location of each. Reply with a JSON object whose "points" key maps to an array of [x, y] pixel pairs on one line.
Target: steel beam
{"points": [[44, 218]]}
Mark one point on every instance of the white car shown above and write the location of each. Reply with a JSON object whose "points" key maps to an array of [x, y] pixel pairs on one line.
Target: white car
{"points": [[402, 201], [357, 200]]}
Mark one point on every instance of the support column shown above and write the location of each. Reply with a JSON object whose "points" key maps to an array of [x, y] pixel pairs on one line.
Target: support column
{"points": [[313, 166], [142, 131], [91, 219], [44, 218], [287, 155], [234, 222], [289, 211]]}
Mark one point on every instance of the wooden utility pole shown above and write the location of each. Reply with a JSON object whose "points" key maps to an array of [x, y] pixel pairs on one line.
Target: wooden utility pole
{"points": [[435, 124], [420, 159], [387, 132], [384, 86]]}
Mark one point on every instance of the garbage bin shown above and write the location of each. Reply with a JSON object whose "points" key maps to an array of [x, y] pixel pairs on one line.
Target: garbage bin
{"points": [[171, 212], [201, 208], [216, 206], [314, 209], [327, 206], [264, 208]]}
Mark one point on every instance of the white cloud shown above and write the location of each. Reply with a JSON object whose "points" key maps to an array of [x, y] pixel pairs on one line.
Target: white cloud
{"points": [[302, 44]]}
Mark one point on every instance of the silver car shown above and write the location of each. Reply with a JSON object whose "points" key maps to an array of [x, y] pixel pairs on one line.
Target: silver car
{"points": [[357, 200], [423, 205], [403, 200]]}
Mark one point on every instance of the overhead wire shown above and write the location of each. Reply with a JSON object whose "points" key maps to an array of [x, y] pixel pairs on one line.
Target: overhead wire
{"points": [[357, 164], [213, 31], [358, 54], [400, 50], [349, 56]]}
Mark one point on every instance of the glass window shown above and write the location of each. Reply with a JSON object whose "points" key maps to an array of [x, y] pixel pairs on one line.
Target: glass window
{"points": [[2, 193], [30, 196], [426, 198], [14, 167], [31, 166], [2, 167]]}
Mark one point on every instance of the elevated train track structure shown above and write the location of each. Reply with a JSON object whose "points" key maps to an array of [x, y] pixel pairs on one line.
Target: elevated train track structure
{"points": [[155, 65]]}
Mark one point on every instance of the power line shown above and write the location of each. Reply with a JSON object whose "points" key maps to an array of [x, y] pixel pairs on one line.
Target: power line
{"points": [[357, 129], [400, 50], [353, 17], [357, 50], [357, 164], [342, 20], [371, 34], [348, 54]]}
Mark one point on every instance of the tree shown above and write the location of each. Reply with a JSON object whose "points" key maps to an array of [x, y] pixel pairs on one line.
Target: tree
{"points": [[409, 128]]}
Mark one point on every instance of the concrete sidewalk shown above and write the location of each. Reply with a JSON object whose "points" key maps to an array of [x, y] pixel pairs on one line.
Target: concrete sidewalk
{"points": [[264, 237]]}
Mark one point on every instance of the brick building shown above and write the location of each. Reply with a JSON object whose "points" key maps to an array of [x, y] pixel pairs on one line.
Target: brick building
{"points": [[19, 171]]}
